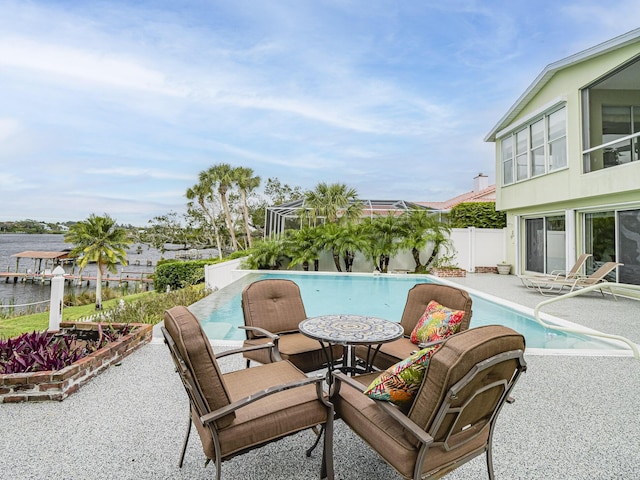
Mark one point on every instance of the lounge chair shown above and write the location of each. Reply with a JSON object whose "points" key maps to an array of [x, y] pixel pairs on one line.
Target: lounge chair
{"points": [[555, 274], [238, 411], [417, 300], [272, 311], [545, 286], [453, 415]]}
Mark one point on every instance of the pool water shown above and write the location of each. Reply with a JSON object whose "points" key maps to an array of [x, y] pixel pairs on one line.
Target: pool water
{"points": [[378, 296]]}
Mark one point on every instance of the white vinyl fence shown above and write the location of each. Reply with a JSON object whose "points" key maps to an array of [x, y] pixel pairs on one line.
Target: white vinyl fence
{"points": [[473, 247]]}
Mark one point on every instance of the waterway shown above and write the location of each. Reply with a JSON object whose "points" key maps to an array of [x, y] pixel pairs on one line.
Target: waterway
{"points": [[141, 258]]}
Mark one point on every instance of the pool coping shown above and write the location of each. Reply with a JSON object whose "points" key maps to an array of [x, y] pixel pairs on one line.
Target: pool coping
{"points": [[619, 349]]}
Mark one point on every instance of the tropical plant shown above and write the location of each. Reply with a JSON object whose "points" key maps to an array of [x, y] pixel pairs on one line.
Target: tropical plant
{"points": [[384, 234], [332, 202], [266, 255], [304, 246], [419, 228], [99, 240], [246, 182], [343, 241], [41, 351]]}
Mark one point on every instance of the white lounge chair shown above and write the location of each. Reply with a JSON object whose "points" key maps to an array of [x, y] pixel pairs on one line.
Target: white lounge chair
{"points": [[545, 286], [528, 280]]}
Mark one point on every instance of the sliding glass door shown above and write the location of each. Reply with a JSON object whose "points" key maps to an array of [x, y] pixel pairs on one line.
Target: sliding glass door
{"points": [[545, 241]]}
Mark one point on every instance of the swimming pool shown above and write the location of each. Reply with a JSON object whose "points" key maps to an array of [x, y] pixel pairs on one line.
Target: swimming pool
{"points": [[379, 296]]}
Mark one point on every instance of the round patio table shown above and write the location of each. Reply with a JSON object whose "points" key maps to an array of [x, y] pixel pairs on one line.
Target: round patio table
{"points": [[349, 331]]}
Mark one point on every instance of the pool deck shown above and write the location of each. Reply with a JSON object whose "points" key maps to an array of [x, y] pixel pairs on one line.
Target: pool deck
{"points": [[575, 417]]}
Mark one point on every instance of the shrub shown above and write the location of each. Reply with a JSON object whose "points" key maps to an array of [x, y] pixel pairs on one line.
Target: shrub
{"points": [[477, 214], [150, 308], [41, 351], [179, 274]]}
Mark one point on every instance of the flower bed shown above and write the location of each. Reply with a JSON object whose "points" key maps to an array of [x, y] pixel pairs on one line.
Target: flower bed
{"points": [[59, 384]]}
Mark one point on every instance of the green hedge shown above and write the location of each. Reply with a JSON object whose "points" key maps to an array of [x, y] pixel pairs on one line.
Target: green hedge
{"points": [[477, 214], [179, 273]]}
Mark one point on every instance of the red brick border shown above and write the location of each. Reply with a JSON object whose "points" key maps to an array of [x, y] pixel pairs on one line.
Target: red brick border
{"points": [[449, 272], [58, 385]]}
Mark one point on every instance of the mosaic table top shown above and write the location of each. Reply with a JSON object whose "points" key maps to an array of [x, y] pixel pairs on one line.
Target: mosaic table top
{"points": [[351, 329]]}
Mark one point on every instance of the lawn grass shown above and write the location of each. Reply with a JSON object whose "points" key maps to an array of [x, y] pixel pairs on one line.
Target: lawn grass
{"points": [[11, 327]]}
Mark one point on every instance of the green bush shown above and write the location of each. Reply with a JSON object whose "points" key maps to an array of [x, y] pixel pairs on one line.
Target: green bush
{"points": [[179, 274], [477, 214], [150, 308]]}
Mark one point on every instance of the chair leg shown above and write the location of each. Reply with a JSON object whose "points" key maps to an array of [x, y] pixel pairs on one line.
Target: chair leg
{"points": [[490, 462], [248, 363], [186, 440], [318, 437], [327, 453]]}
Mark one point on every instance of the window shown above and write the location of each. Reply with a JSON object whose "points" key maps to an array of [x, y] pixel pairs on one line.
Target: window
{"points": [[611, 133], [537, 148], [507, 160], [540, 148]]}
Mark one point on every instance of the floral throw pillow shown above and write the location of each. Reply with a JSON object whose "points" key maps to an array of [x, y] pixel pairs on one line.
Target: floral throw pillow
{"points": [[400, 382], [437, 322]]}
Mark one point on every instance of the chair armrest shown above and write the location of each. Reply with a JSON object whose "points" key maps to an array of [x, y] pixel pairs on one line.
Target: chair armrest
{"points": [[232, 407], [244, 349], [430, 344], [389, 408], [342, 378], [275, 338], [261, 331]]}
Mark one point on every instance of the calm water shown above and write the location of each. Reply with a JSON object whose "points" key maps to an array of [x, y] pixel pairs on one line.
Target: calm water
{"points": [[23, 293], [378, 296]]}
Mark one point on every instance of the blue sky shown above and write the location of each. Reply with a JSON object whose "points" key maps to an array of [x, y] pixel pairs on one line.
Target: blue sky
{"points": [[116, 106]]}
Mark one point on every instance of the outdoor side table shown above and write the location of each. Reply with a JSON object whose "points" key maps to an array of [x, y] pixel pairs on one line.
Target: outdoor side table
{"points": [[349, 331]]}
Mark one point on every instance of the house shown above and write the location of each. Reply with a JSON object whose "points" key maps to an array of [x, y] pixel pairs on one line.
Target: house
{"points": [[567, 163], [482, 192]]}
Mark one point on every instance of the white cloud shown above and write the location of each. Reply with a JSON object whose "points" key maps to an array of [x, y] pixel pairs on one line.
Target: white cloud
{"points": [[138, 172], [83, 65]]}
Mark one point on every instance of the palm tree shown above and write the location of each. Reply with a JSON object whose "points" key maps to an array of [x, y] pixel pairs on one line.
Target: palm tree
{"points": [[332, 202], [222, 175], [419, 227], [246, 183], [202, 194], [344, 241], [384, 233], [99, 240], [352, 241], [266, 255], [304, 246]]}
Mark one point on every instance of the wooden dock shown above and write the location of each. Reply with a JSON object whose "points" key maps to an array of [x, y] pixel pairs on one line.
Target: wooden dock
{"points": [[76, 279]]}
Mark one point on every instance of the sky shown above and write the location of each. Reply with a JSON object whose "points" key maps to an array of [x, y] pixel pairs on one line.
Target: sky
{"points": [[116, 106]]}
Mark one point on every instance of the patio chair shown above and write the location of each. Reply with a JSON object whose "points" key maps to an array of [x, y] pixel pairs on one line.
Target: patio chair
{"points": [[417, 300], [453, 415], [556, 274], [272, 310], [545, 286], [241, 410]]}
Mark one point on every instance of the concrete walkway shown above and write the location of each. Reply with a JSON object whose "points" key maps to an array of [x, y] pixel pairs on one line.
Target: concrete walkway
{"points": [[574, 418]]}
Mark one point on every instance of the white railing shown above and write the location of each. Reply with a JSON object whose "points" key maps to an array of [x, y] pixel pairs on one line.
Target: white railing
{"points": [[606, 285]]}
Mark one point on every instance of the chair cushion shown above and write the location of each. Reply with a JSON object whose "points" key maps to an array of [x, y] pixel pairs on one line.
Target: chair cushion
{"points": [[304, 352], [273, 304], [437, 322], [400, 382], [274, 416]]}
